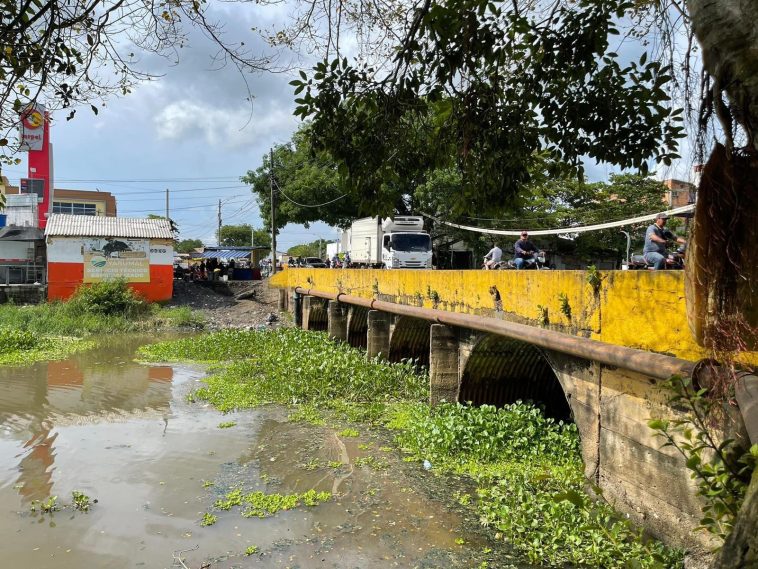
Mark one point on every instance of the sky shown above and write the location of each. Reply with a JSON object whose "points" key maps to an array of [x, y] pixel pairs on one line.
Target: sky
{"points": [[192, 130]]}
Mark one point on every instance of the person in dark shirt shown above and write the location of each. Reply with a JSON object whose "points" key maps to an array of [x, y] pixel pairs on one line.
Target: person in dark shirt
{"points": [[524, 249], [656, 237]]}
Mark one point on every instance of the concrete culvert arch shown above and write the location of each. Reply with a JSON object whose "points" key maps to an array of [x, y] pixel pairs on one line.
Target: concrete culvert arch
{"points": [[501, 371], [318, 318], [357, 326], [410, 339]]}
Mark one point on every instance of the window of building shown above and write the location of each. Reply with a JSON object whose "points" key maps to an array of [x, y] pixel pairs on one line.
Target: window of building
{"points": [[74, 208]]}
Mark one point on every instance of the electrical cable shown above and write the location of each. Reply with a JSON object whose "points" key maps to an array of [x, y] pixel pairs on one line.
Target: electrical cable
{"points": [[306, 205]]}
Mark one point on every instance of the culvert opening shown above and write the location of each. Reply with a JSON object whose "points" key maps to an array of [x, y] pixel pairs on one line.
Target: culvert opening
{"points": [[357, 327], [410, 340], [501, 371], [318, 319]]}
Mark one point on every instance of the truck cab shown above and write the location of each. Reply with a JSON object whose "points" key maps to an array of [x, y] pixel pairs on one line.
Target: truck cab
{"points": [[405, 244]]}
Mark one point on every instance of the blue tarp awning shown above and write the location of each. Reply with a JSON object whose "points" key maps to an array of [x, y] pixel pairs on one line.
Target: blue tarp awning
{"points": [[226, 254]]}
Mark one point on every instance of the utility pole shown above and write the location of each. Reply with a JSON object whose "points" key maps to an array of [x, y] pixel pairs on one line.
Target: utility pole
{"points": [[273, 212], [218, 235], [167, 217]]}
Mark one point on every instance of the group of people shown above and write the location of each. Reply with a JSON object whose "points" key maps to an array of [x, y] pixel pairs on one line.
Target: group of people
{"points": [[211, 270], [654, 250], [336, 263]]}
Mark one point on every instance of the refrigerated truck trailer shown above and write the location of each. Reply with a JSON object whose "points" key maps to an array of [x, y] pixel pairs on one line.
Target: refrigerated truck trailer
{"points": [[392, 243]]}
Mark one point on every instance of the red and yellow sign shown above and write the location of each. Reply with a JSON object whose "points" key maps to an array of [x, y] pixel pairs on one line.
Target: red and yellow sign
{"points": [[33, 128]]}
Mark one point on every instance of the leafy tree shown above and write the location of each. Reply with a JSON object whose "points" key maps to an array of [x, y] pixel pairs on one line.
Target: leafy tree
{"points": [[314, 249], [188, 245], [500, 85], [239, 236]]}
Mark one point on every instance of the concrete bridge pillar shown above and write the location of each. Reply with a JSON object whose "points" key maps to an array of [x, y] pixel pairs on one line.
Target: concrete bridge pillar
{"points": [[444, 369], [307, 307], [337, 321], [378, 334]]}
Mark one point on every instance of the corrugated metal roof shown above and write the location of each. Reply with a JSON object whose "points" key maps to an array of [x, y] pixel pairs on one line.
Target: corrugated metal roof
{"points": [[225, 254], [65, 225]]}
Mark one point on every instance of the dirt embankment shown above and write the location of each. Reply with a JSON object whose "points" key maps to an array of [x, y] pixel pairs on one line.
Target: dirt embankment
{"points": [[236, 304]]}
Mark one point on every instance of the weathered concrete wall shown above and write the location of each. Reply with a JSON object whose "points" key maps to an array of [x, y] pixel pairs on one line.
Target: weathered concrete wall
{"points": [[23, 294], [637, 309]]}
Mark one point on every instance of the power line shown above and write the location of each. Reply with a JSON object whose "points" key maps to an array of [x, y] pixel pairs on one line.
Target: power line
{"points": [[306, 205]]}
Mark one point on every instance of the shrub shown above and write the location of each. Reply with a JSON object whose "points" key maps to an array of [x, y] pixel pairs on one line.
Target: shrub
{"points": [[111, 298]]}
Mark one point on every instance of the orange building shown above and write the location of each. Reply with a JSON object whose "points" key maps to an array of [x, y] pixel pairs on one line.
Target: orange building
{"points": [[83, 249], [679, 193]]}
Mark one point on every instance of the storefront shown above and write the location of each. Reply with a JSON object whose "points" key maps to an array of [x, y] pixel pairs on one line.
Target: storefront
{"points": [[85, 249]]}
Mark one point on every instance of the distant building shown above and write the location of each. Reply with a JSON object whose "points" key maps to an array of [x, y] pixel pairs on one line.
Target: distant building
{"points": [[75, 202], [679, 193]]}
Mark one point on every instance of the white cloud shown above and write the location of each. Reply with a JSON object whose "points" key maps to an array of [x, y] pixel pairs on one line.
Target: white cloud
{"points": [[221, 127]]}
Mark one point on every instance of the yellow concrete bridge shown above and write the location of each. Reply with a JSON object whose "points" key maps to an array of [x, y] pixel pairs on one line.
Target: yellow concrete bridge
{"points": [[590, 346]]}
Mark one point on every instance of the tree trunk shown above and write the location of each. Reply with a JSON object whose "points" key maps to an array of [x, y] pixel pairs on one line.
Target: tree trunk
{"points": [[721, 269], [728, 35]]}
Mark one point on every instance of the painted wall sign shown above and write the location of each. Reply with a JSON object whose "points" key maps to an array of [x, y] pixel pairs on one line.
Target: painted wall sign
{"points": [[114, 258]]}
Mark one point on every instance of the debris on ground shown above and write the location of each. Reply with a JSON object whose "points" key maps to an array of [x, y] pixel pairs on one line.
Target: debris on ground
{"points": [[244, 304]]}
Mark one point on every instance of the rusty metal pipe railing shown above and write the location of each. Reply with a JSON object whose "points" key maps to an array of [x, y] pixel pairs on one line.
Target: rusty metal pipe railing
{"points": [[658, 366]]}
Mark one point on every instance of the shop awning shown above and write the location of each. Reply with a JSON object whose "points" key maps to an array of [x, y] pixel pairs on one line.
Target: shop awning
{"points": [[226, 254]]}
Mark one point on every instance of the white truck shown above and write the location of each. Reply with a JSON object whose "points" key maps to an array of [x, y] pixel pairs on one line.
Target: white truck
{"points": [[394, 243]]}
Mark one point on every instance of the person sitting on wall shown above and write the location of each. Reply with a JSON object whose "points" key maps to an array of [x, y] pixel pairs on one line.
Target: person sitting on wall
{"points": [[523, 249], [656, 237]]}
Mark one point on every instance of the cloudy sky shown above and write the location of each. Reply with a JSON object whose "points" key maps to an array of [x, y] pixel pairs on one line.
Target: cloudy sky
{"points": [[192, 131]]}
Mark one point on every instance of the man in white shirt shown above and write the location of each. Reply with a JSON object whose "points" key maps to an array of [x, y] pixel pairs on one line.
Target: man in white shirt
{"points": [[493, 257]]}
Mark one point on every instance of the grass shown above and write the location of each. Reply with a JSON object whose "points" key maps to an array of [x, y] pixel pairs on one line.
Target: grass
{"points": [[57, 329]]}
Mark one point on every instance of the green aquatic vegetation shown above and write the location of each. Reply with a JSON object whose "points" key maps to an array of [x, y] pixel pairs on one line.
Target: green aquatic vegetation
{"points": [[252, 550], [208, 519], [349, 433], [307, 414], [80, 501], [21, 347], [46, 506], [372, 462], [291, 367], [227, 424], [260, 505], [529, 474], [335, 464], [208, 483]]}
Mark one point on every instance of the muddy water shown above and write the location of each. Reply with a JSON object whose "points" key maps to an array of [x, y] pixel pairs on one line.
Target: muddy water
{"points": [[124, 434]]}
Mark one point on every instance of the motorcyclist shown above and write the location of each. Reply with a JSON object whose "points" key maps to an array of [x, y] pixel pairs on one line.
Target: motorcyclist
{"points": [[524, 250], [656, 237], [492, 258]]}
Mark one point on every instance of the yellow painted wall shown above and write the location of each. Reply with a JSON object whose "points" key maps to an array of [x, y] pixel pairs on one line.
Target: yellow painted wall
{"points": [[637, 309]]}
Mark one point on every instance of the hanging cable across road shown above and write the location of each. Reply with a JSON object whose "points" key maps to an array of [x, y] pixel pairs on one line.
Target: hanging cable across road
{"points": [[306, 205], [567, 230]]}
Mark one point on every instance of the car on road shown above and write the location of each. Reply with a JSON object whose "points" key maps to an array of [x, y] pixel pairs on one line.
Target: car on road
{"points": [[314, 263]]}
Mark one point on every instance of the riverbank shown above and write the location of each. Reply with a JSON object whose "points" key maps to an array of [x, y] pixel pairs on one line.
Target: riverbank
{"points": [[526, 469]]}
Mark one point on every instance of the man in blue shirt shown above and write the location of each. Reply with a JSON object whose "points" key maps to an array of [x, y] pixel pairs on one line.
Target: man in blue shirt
{"points": [[656, 238]]}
